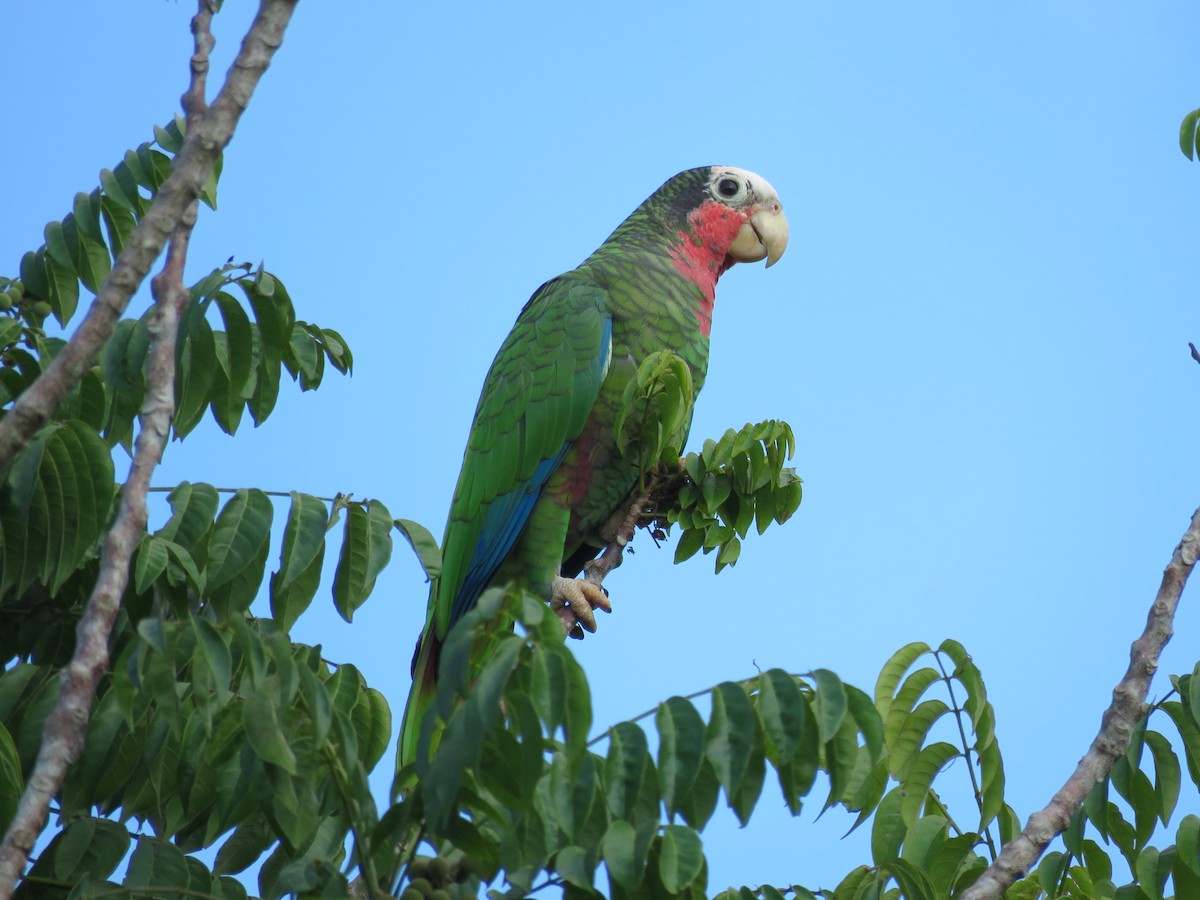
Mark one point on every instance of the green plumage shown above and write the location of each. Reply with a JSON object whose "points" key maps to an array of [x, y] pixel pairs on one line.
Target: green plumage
{"points": [[541, 469]]}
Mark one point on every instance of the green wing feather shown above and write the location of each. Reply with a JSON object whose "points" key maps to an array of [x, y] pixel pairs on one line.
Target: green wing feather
{"points": [[538, 395]]}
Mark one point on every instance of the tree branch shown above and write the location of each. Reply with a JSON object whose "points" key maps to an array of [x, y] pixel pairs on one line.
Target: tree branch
{"points": [[190, 172], [65, 728], [1126, 711]]}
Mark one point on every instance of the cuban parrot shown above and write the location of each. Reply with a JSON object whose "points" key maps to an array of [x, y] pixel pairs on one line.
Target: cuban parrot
{"points": [[541, 471]]}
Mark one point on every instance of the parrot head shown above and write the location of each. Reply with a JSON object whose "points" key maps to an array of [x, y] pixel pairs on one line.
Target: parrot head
{"points": [[763, 232], [710, 218]]}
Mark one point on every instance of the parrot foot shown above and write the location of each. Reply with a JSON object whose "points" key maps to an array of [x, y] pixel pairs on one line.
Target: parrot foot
{"points": [[574, 601]]}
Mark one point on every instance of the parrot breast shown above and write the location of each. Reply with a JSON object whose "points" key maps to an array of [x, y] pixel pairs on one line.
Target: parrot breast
{"points": [[701, 255]]}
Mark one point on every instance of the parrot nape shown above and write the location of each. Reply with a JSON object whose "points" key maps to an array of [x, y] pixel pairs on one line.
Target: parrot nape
{"points": [[541, 472]]}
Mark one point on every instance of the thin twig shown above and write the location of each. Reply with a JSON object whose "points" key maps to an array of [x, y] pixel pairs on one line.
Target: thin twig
{"points": [[189, 173], [1127, 709], [66, 726], [347, 499]]}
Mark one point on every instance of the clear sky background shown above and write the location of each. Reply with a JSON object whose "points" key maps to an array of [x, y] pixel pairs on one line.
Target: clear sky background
{"points": [[979, 331]]}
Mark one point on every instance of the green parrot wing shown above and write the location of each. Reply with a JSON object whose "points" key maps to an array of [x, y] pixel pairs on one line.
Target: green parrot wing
{"points": [[537, 397]]}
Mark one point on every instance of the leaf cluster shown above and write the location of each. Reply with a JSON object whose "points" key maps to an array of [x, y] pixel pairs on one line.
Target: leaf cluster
{"points": [[516, 785], [57, 495], [732, 484], [211, 728], [202, 728], [84, 245]]}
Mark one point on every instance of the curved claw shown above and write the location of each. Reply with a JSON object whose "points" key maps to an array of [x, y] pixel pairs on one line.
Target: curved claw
{"points": [[574, 600]]}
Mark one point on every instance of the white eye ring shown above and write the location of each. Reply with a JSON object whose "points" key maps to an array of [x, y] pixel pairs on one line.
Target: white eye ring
{"points": [[728, 186]]}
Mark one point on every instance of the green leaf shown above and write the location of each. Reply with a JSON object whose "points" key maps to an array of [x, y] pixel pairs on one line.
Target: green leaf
{"points": [[680, 750], [913, 882], [831, 703], [196, 366], [888, 828], [728, 555], [151, 561], [187, 563], [1151, 872], [924, 839], [299, 559], [698, 806], [548, 686], [372, 719], [783, 714], [911, 738], [1050, 871], [574, 793], [12, 784], [1187, 133], [870, 726], [750, 788], [239, 338], [841, 760], [1193, 693], [159, 865], [904, 701], [991, 768], [729, 738], [1189, 733], [893, 671], [1187, 842], [424, 545], [625, 867], [571, 864], [689, 544], [238, 545], [929, 763], [192, 509], [625, 767], [215, 653], [265, 733], [460, 747], [366, 549], [87, 850], [303, 359], [1167, 774], [64, 289], [681, 859]]}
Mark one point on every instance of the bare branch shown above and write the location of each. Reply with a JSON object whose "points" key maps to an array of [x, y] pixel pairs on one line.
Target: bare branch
{"points": [[66, 726], [1127, 709], [191, 170]]}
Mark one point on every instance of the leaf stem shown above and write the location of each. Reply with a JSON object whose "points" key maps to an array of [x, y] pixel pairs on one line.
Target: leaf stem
{"points": [[967, 748]]}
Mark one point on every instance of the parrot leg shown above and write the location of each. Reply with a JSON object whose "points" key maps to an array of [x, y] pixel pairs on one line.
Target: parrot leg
{"points": [[574, 600]]}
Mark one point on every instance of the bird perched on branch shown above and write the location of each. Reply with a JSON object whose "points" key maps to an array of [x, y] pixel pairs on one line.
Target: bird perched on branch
{"points": [[542, 470]]}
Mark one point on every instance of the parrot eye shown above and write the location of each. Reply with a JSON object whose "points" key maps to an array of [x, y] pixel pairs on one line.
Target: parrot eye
{"points": [[729, 187]]}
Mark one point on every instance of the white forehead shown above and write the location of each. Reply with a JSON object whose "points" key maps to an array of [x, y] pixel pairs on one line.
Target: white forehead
{"points": [[755, 182]]}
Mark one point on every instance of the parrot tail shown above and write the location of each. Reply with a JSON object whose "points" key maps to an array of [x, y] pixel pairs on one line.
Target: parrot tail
{"points": [[420, 699]]}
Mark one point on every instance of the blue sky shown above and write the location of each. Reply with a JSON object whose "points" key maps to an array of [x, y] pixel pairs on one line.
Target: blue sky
{"points": [[979, 332]]}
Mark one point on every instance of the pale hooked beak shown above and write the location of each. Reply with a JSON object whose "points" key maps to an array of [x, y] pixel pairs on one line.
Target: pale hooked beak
{"points": [[765, 236]]}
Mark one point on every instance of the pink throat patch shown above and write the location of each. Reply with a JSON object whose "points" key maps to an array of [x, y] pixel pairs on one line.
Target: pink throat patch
{"points": [[702, 254]]}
